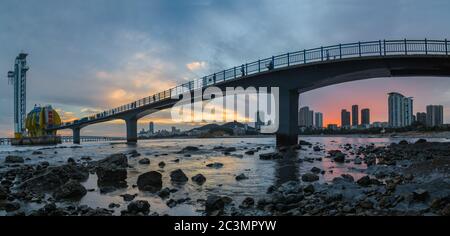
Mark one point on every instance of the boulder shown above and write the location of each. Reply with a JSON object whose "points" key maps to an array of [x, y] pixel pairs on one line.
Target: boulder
{"points": [[270, 156], [150, 181], [36, 153], [3, 193], [164, 193], [139, 206], [54, 177], [309, 177], [70, 190], [339, 157], [214, 205], [178, 176], [421, 141], [199, 179], [112, 171], [316, 170], [215, 165], [9, 206], [14, 159], [144, 161], [162, 164], [420, 195], [189, 149], [128, 197], [364, 181], [247, 203], [241, 177], [250, 152]]}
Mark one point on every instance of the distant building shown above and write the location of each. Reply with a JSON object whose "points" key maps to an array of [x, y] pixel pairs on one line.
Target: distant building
{"points": [[151, 128], [421, 117], [332, 126], [305, 117], [435, 115], [365, 117], [318, 120], [378, 124], [400, 109], [345, 119], [355, 115]]}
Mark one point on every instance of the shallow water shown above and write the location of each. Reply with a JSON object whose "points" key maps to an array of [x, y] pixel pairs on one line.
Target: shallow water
{"points": [[261, 174]]}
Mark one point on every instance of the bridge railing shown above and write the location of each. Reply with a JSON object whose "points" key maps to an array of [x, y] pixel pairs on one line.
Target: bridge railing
{"points": [[335, 52]]}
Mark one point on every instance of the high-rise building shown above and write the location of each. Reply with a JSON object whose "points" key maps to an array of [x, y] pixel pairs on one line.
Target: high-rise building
{"points": [[319, 120], [355, 115], [421, 117], [400, 109], [151, 127], [305, 117], [365, 116], [435, 115], [345, 118]]}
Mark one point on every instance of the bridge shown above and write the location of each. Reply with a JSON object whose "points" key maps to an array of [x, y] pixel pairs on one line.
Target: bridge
{"points": [[294, 73], [69, 139]]}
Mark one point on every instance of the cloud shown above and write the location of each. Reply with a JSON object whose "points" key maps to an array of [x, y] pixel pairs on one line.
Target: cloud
{"points": [[196, 65]]}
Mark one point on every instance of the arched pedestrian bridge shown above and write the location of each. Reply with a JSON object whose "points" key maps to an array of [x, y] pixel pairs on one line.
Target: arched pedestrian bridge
{"points": [[294, 73]]}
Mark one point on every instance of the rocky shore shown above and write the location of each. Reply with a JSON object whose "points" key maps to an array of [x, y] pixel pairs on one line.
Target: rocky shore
{"points": [[400, 179]]}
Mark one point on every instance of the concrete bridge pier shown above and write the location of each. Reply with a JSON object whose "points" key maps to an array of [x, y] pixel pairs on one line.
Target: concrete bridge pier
{"points": [[76, 135], [131, 130], [287, 134]]}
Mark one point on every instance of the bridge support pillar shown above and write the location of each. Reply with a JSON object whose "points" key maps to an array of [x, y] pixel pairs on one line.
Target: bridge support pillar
{"points": [[131, 130], [287, 134], [76, 135]]}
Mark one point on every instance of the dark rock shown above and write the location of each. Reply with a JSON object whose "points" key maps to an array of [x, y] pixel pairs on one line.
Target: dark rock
{"points": [[420, 195], [247, 203], [86, 158], [178, 176], [139, 206], [70, 190], [113, 205], [216, 165], [3, 193], [348, 178], [421, 141], [162, 164], [364, 181], [9, 206], [144, 161], [150, 181], [403, 142], [14, 159], [309, 189], [164, 193], [171, 203], [309, 177], [36, 153], [214, 205], [128, 197], [54, 177], [134, 153], [189, 149], [250, 152], [317, 149], [70, 160], [270, 156], [199, 179], [316, 170], [241, 177], [304, 143], [339, 157], [112, 171]]}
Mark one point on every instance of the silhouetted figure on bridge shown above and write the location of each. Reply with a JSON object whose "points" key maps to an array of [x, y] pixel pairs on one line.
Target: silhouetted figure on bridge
{"points": [[242, 70], [271, 64]]}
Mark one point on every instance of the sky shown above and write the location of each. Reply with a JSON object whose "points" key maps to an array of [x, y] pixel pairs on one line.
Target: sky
{"points": [[88, 56]]}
